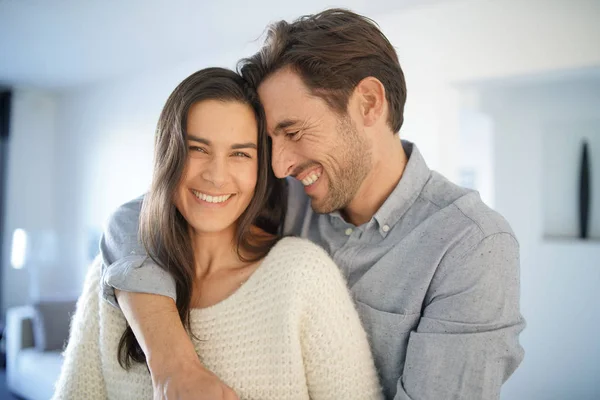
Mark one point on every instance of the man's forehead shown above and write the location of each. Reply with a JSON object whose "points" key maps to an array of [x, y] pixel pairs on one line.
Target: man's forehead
{"points": [[282, 88], [288, 102], [284, 108], [283, 76]]}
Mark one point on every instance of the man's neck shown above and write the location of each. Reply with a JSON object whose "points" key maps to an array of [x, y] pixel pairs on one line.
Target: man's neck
{"points": [[389, 162]]}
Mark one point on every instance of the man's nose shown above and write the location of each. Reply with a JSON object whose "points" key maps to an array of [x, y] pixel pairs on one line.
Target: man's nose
{"points": [[282, 160]]}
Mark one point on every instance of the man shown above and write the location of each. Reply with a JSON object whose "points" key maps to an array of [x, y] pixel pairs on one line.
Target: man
{"points": [[434, 272]]}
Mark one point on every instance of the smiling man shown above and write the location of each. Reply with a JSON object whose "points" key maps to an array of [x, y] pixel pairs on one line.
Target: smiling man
{"points": [[434, 272]]}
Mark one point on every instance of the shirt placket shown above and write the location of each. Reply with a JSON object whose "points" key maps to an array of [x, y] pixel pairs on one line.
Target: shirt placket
{"points": [[345, 256]]}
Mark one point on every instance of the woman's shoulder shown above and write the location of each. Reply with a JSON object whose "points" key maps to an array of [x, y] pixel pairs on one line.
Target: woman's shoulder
{"points": [[291, 248], [303, 259]]}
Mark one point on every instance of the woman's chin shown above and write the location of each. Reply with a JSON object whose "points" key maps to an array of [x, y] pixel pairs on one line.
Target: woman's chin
{"points": [[205, 227]]}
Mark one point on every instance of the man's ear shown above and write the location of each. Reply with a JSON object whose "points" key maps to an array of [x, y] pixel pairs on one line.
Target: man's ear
{"points": [[370, 94]]}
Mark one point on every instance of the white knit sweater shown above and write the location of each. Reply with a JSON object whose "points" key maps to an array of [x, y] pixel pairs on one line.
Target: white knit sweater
{"points": [[290, 332]]}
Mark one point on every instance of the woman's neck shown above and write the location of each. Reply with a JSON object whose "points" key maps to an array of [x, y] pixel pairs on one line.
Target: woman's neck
{"points": [[215, 251]]}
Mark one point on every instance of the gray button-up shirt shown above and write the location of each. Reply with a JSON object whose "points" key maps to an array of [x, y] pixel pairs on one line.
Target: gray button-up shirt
{"points": [[434, 273]]}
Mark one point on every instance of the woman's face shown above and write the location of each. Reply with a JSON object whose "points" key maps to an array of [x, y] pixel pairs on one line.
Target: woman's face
{"points": [[221, 170]]}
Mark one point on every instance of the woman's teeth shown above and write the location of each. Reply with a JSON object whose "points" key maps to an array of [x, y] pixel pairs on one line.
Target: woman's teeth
{"points": [[211, 199]]}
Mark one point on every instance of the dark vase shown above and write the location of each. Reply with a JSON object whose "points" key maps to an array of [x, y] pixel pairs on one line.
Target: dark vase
{"points": [[584, 191]]}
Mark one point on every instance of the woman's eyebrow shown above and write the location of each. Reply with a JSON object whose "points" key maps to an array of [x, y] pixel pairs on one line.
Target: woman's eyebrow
{"points": [[248, 145], [235, 146], [198, 139]]}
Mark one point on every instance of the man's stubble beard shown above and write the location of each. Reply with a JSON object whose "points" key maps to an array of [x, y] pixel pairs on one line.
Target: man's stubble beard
{"points": [[353, 164]]}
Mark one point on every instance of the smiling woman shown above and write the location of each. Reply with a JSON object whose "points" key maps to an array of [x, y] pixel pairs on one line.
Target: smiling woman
{"points": [[211, 144]]}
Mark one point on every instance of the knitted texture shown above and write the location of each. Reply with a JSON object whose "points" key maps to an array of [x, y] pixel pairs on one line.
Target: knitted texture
{"points": [[290, 332], [81, 374]]}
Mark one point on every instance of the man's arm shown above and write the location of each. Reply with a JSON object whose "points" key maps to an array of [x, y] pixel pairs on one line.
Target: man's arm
{"points": [[466, 344], [125, 264], [176, 371], [146, 295]]}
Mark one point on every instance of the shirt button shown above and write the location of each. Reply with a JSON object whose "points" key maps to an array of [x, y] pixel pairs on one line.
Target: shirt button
{"points": [[385, 228], [348, 232]]}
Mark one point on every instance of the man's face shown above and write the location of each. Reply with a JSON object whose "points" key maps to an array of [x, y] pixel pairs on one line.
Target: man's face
{"points": [[312, 143]]}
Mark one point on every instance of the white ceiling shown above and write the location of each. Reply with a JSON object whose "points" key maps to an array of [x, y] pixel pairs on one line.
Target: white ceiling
{"points": [[64, 43]]}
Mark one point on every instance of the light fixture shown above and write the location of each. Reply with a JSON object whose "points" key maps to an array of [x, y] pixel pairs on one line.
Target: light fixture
{"points": [[19, 249]]}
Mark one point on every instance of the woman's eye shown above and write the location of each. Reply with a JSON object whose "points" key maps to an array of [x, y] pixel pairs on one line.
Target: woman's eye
{"points": [[197, 148], [241, 154]]}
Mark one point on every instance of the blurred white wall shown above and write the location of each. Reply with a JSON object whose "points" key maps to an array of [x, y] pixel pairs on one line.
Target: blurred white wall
{"points": [[463, 41], [537, 130], [31, 189]]}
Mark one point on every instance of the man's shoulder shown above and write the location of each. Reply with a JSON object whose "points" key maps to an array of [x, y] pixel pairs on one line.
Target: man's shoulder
{"points": [[129, 209], [470, 230], [463, 208], [124, 220]]}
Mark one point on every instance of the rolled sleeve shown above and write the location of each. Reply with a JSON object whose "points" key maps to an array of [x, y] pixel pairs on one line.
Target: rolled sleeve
{"points": [[125, 263], [467, 342], [136, 274]]}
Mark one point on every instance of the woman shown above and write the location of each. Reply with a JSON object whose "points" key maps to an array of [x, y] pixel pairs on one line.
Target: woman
{"points": [[271, 317]]}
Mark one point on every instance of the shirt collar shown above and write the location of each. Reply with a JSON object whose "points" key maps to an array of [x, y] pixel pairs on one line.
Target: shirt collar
{"points": [[415, 176]]}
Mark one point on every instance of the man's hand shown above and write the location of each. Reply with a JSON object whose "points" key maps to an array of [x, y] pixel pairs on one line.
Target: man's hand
{"points": [[177, 373], [188, 381]]}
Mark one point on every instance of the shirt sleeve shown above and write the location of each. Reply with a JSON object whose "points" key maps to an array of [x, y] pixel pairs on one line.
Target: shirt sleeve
{"points": [[336, 352], [467, 342], [125, 263], [81, 372]]}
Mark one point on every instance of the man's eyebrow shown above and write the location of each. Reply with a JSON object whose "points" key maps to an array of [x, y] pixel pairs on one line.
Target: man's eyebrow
{"points": [[286, 123]]}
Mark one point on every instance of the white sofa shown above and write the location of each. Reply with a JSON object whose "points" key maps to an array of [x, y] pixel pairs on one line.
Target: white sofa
{"points": [[30, 373]]}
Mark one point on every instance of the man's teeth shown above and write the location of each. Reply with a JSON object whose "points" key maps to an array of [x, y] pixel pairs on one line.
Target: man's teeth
{"points": [[211, 199], [312, 178]]}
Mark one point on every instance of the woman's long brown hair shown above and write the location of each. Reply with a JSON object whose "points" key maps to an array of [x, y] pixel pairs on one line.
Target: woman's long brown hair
{"points": [[163, 230]]}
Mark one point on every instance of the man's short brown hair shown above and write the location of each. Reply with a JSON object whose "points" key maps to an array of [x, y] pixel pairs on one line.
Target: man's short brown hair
{"points": [[332, 51]]}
